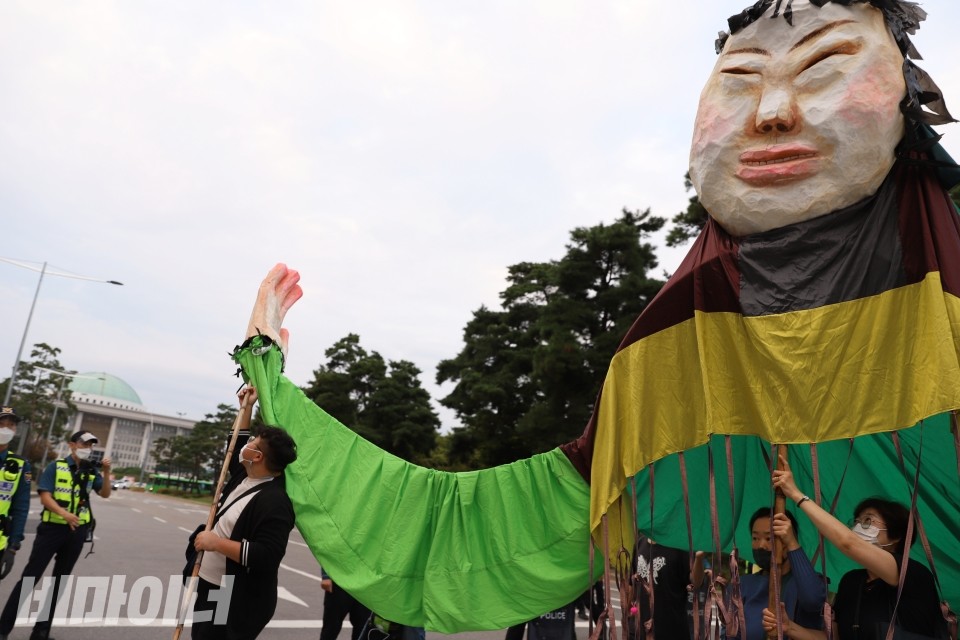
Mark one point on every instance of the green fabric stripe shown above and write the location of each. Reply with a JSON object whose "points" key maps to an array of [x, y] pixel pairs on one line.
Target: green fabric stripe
{"points": [[873, 470], [447, 551]]}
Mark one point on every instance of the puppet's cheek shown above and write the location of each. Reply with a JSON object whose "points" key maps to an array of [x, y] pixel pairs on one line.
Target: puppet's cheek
{"points": [[717, 141], [871, 106], [863, 130]]}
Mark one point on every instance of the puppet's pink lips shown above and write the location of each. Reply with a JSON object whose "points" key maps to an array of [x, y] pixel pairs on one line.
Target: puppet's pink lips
{"points": [[780, 163]]}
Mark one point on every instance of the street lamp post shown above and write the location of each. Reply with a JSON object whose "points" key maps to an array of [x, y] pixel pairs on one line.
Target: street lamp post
{"points": [[53, 420], [16, 363], [43, 271], [146, 454]]}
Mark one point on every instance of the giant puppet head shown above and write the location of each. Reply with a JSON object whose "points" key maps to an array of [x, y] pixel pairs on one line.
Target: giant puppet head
{"points": [[804, 110]]}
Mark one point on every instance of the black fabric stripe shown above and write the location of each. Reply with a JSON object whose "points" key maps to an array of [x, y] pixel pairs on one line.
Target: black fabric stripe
{"points": [[846, 255]]}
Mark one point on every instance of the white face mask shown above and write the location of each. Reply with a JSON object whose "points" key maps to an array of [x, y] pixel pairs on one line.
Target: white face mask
{"points": [[82, 454], [240, 455], [869, 534], [6, 435]]}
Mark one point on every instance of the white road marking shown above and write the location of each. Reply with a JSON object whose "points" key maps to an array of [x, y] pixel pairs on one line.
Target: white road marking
{"points": [[284, 594], [301, 624], [302, 573], [159, 519]]}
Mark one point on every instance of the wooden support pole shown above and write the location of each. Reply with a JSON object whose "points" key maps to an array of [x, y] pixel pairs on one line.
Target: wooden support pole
{"points": [[777, 552]]}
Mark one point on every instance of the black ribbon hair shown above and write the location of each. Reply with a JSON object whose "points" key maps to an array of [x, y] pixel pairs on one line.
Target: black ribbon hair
{"points": [[924, 103]]}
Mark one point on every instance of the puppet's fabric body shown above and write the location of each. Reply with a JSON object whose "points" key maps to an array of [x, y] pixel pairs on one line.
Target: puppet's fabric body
{"points": [[836, 327], [839, 327], [446, 551]]}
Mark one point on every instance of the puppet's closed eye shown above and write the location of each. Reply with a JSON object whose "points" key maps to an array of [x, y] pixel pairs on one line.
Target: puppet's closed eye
{"points": [[739, 71], [846, 49]]}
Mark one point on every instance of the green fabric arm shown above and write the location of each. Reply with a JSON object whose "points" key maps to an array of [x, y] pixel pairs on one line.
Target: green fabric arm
{"points": [[446, 551]]}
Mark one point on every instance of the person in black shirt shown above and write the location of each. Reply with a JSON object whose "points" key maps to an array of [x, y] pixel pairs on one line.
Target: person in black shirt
{"points": [[669, 571], [866, 598]]}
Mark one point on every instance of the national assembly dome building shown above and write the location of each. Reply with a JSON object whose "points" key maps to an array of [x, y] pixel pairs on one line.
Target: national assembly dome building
{"points": [[112, 410]]}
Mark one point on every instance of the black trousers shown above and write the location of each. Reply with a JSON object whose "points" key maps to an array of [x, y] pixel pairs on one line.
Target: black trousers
{"points": [[516, 631], [53, 540], [337, 605], [209, 629]]}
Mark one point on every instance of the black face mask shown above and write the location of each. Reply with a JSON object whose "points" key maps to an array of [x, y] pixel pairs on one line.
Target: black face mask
{"points": [[762, 558]]}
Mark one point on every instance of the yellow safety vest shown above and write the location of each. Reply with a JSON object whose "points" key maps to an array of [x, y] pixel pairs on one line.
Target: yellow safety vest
{"points": [[67, 494], [10, 476]]}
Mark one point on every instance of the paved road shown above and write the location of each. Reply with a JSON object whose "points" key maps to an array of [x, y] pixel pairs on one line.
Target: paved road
{"points": [[141, 537]]}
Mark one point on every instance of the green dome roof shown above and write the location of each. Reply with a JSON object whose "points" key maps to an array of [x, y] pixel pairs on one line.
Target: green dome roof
{"points": [[108, 387]]}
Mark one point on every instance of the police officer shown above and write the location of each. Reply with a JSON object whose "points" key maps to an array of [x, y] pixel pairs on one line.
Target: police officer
{"points": [[66, 520], [14, 492]]}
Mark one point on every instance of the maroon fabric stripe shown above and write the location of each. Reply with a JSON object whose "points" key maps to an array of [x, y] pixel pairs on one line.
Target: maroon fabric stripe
{"points": [[580, 451], [708, 279], [929, 228]]}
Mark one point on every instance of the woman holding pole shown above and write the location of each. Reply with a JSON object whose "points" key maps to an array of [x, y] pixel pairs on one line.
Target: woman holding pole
{"points": [[867, 599]]}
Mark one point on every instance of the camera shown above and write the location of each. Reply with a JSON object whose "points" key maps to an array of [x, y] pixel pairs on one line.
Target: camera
{"points": [[95, 461]]}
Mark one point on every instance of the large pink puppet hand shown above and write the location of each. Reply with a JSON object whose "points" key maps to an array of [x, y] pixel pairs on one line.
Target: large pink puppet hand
{"points": [[278, 291]]}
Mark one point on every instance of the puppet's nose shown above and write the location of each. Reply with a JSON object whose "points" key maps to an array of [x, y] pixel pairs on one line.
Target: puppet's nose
{"points": [[776, 112]]}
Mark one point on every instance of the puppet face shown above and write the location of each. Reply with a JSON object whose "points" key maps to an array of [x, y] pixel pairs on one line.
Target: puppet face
{"points": [[798, 121]]}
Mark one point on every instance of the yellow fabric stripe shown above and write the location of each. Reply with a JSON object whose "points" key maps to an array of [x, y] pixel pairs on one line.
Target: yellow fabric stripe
{"points": [[844, 370]]}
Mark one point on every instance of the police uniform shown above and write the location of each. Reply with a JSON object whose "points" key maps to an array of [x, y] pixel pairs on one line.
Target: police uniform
{"points": [[14, 499], [14, 492], [71, 487]]}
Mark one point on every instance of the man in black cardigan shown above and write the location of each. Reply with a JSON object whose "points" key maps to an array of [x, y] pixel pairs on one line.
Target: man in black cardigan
{"points": [[244, 548]]}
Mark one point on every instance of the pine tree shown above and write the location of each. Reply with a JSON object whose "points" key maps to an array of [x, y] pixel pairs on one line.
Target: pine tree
{"points": [[382, 401], [527, 376]]}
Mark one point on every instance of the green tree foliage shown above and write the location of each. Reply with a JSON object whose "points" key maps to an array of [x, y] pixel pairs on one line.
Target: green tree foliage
{"points": [[344, 384], [687, 224], [209, 439], [37, 396], [120, 472], [440, 458], [955, 194], [382, 401], [527, 376], [494, 385], [169, 454], [198, 454]]}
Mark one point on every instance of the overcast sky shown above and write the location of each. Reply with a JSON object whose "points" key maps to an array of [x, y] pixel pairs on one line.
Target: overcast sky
{"points": [[400, 155]]}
